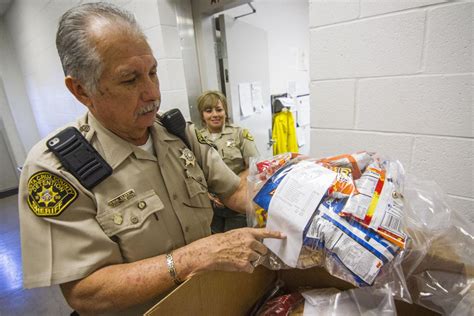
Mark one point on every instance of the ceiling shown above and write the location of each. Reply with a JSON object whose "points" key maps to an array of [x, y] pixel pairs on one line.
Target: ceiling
{"points": [[4, 6]]}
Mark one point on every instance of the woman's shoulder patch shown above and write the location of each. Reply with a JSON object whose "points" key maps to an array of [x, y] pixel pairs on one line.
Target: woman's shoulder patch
{"points": [[246, 134], [49, 194], [203, 140]]}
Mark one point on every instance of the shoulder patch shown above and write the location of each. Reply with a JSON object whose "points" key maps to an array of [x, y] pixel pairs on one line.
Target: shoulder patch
{"points": [[246, 134], [201, 139], [49, 194]]}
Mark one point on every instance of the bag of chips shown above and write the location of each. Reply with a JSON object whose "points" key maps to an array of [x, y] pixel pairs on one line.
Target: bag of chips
{"points": [[354, 215]]}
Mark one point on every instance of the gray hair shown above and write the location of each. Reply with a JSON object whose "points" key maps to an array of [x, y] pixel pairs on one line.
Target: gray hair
{"points": [[79, 57]]}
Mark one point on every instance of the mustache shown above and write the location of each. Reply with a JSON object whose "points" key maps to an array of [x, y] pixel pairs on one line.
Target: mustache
{"points": [[153, 106]]}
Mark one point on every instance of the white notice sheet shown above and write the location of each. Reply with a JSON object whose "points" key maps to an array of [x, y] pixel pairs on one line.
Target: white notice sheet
{"points": [[301, 135], [245, 98], [292, 205], [303, 111], [257, 98]]}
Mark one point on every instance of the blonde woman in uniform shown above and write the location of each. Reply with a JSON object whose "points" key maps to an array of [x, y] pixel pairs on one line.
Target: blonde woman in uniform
{"points": [[234, 144]]}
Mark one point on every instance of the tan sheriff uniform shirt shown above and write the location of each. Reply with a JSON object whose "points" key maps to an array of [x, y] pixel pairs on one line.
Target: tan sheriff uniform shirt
{"points": [[147, 207], [235, 145]]}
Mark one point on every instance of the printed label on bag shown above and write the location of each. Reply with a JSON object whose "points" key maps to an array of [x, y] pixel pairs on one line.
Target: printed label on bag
{"points": [[292, 205]]}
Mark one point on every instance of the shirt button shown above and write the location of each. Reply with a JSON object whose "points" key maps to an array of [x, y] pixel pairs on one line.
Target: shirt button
{"points": [[186, 229], [199, 179], [175, 196], [118, 219], [141, 205], [134, 219], [84, 128]]}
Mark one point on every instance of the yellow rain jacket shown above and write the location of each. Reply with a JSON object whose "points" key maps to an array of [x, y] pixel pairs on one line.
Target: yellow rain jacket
{"points": [[284, 133]]}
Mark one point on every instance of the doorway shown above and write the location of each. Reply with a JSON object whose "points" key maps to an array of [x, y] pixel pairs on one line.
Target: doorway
{"points": [[244, 77], [219, 44]]}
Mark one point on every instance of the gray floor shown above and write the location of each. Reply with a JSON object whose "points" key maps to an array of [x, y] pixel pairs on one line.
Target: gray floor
{"points": [[14, 300]]}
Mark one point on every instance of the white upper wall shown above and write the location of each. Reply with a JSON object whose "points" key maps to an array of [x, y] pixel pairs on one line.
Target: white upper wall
{"points": [[396, 77], [287, 24], [15, 110], [32, 26]]}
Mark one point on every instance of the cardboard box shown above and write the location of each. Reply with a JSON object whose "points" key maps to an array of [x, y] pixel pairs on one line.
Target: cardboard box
{"points": [[234, 293]]}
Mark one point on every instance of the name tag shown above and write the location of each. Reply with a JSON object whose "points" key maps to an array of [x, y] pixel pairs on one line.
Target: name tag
{"points": [[116, 201]]}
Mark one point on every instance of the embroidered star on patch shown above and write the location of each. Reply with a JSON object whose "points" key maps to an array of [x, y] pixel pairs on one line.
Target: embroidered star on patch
{"points": [[188, 157]]}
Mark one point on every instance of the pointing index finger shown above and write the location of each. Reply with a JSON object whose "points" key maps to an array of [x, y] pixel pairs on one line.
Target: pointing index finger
{"points": [[261, 233]]}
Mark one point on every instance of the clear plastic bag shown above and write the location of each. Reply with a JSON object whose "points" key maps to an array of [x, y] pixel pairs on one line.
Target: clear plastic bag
{"points": [[373, 226], [360, 301], [439, 269], [330, 301]]}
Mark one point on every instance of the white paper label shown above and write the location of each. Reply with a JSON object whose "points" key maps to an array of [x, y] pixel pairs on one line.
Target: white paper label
{"points": [[292, 206]]}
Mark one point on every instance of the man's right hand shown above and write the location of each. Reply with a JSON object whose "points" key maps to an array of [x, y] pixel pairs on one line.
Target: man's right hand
{"points": [[234, 250]]}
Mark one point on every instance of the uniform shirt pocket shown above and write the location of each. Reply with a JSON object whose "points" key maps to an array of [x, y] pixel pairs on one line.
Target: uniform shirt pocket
{"points": [[194, 187], [231, 153], [195, 182], [233, 159], [131, 214], [197, 189]]}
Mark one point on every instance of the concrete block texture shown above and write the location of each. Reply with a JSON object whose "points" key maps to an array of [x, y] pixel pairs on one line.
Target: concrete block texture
{"points": [[371, 7], [22, 12], [325, 143], [32, 26], [155, 40], [436, 105], [332, 104], [145, 12], [450, 39], [171, 74], [332, 11], [175, 99], [167, 11], [172, 45], [448, 161], [381, 46]]}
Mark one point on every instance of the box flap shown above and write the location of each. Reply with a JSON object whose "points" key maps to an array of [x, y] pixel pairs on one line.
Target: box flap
{"points": [[216, 293]]}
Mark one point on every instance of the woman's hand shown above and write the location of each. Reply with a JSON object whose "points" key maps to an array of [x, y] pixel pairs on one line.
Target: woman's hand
{"points": [[234, 250], [216, 202]]}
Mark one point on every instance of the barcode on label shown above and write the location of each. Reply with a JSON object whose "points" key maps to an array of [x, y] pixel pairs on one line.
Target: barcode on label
{"points": [[391, 222]]}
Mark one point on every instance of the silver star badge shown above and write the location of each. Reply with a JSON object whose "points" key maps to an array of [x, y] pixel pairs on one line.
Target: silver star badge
{"points": [[188, 157]]}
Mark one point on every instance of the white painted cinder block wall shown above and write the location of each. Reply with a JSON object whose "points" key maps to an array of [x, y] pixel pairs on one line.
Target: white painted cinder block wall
{"points": [[396, 77], [32, 28]]}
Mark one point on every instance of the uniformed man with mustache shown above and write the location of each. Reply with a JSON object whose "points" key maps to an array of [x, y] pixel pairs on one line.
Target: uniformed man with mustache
{"points": [[121, 243]]}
